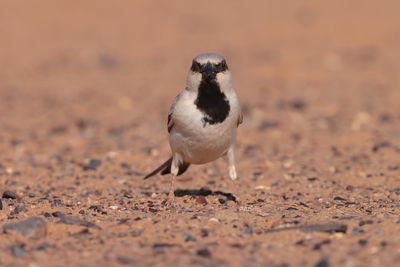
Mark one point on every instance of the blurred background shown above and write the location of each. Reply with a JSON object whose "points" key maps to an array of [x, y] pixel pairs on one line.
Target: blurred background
{"points": [[63, 60], [318, 82]]}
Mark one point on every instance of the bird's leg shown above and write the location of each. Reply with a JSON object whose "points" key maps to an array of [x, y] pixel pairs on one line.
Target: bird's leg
{"points": [[231, 162], [174, 172]]}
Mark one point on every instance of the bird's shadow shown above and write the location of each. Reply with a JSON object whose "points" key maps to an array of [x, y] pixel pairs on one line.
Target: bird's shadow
{"points": [[203, 192]]}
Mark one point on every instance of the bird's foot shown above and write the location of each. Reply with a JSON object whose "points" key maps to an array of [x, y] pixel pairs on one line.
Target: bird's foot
{"points": [[169, 203]]}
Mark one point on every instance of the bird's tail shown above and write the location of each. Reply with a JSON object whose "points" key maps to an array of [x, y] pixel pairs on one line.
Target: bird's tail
{"points": [[165, 168]]}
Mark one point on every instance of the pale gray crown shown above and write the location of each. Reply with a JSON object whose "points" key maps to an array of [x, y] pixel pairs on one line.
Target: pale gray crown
{"points": [[213, 58]]}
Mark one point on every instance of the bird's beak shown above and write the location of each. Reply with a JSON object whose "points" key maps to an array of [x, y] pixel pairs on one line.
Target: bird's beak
{"points": [[209, 72]]}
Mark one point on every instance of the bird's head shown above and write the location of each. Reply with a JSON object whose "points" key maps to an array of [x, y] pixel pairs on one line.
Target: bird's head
{"points": [[209, 68]]}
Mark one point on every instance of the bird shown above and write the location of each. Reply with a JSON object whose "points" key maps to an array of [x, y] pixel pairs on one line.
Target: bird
{"points": [[203, 119]]}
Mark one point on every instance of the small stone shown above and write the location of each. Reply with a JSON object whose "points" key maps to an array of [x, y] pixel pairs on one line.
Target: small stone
{"points": [[190, 238], [92, 164], [204, 233], [9, 195], [363, 242], [262, 188], [322, 263], [33, 228], [114, 207], [125, 260], [247, 230], [221, 201], [18, 250], [362, 222], [43, 246], [357, 230], [204, 252], [57, 214], [339, 198], [18, 209], [215, 220], [201, 200]]}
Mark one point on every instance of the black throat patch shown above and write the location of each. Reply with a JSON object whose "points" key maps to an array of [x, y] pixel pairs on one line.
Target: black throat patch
{"points": [[212, 102]]}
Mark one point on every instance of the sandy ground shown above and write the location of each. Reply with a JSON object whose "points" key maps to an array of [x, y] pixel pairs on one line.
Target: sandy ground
{"points": [[84, 93]]}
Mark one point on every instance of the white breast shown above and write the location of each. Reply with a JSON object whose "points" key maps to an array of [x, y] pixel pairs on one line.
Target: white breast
{"points": [[195, 141]]}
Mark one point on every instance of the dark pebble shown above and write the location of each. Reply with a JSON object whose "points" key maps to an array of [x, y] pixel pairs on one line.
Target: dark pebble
{"points": [[57, 203], [43, 246], [357, 230], [312, 179], [339, 198], [204, 233], [298, 104], [57, 214], [362, 242], [91, 165], [221, 200], [190, 238], [247, 230], [18, 209], [1, 204], [364, 222], [125, 260], [18, 250], [319, 245], [163, 245], [9, 195], [203, 252], [322, 263]]}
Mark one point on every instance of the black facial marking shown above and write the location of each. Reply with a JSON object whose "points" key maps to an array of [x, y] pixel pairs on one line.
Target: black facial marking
{"points": [[196, 66], [212, 102], [221, 67], [201, 68]]}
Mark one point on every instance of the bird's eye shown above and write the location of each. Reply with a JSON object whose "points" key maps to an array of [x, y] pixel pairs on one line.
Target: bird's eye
{"points": [[196, 67], [221, 67]]}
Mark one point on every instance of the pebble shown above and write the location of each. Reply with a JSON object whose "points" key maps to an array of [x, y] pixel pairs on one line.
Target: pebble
{"points": [[57, 214], [357, 230], [18, 209], [214, 220], [33, 228], [322, 263], [204, 252], [125, 260], [190, 238], [9, 195], [92, 164], [247, 230], [262, 188], [43, 246], [18, 250]]}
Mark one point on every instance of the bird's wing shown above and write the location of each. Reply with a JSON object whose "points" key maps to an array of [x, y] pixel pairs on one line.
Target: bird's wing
{"points": [[171, 123], [240, 119]]}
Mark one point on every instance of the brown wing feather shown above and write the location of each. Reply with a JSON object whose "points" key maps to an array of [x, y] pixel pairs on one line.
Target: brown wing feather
{"points": [[240, 119]]}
